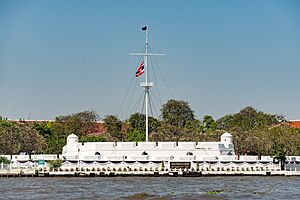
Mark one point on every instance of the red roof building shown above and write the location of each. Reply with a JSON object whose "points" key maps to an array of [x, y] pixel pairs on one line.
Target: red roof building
{"points": [[295, 123]]}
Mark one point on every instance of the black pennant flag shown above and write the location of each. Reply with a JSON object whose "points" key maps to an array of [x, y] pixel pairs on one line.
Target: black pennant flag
{"points": [[144, 28]]}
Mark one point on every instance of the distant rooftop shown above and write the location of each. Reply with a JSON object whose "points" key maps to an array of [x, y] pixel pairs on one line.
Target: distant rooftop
{"points": [[295, 123], [39, 120]]}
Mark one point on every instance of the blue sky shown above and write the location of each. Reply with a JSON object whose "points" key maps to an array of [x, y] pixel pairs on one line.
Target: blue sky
{"points": [[62, 57]]}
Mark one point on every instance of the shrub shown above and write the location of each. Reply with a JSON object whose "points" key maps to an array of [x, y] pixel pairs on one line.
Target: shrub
{"points": [[4, 160], [55, 164]]}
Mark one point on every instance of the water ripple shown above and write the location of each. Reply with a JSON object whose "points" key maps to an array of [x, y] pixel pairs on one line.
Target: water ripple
{"points": [[151, 188]]}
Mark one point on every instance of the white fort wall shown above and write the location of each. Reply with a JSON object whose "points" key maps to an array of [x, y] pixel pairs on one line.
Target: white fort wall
{"points": [[151, 151]]}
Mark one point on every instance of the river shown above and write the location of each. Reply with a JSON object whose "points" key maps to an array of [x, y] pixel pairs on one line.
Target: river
{"points": [[234, 187]]}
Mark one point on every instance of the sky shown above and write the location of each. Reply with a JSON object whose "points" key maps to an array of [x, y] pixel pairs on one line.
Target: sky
{"points": [[63, 57]]}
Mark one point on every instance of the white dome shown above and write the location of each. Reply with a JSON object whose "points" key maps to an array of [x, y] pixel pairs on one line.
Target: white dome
{"points": [[226, 134], [72, 136], [72, 139], [226, 139]]}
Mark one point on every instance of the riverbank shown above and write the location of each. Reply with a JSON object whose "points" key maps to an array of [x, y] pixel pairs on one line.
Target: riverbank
{"points": [[37, 173]]}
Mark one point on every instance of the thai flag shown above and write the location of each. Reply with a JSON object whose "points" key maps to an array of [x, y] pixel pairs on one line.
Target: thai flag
{"points": [[140, 70]]}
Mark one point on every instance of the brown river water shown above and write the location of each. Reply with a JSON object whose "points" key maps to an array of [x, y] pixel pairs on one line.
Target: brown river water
{"points": [[234, 187]]}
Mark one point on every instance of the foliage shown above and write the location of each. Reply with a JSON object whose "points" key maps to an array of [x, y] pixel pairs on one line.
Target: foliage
{"points": [[45, 129], [9, 137], [254, 132], [78, 123], [55, 144], [92, 138], [176, 113], [137, 127], [137, 121], [193, 131], [209, 124], [18, 137], [55, 164], [114, 127], [4, 160], [248, 118], [169, 132], [53, 138], [135, 135], [244, 125], [30, 140]]}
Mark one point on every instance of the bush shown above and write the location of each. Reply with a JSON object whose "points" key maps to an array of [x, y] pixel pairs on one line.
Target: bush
{"points": [[4, 160], [55, 164]]}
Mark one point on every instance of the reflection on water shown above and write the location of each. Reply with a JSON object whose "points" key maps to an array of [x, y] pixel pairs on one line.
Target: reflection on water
{"points": [[151, 188]]}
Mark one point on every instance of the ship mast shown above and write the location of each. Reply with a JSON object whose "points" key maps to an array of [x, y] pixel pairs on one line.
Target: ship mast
{"points": [[146, 85]]}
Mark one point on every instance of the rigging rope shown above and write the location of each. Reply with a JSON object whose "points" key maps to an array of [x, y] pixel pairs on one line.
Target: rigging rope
{"points": [[137, 103], [153, 71], [131, 97], [157, 100], [125, 96], [172, 94]]}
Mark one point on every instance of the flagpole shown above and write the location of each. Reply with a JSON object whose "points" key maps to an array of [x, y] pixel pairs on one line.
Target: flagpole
{"points": [[146, 54], [146, 85]]}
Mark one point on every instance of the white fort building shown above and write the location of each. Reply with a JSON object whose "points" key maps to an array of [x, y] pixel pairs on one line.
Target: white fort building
{"points": [[148, 151], [180, 155]]}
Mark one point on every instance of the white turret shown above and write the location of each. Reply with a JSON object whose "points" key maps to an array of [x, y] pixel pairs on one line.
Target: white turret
{"points": [[72, 147], [72, 139], [226, 139]]}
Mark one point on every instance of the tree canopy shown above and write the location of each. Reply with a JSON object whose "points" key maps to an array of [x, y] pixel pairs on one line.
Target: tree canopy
{"points": [[176, 113], [254, 132], [114, 127], [18, 137]]}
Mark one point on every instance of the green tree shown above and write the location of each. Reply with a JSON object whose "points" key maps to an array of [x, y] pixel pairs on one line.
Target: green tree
{"points": [[54, 135], [9, 137], [114, 127], [138, 121], [210, 129], [55, 144], [4, 160], [78, 123], [193, 131], [135, 135], [245, 126], [45, 129], [17, 137], [177, 113], [280, 155], [55, 164], [57, 131], [169, 132], [209, 124], [30, 140], [137, 127]]}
